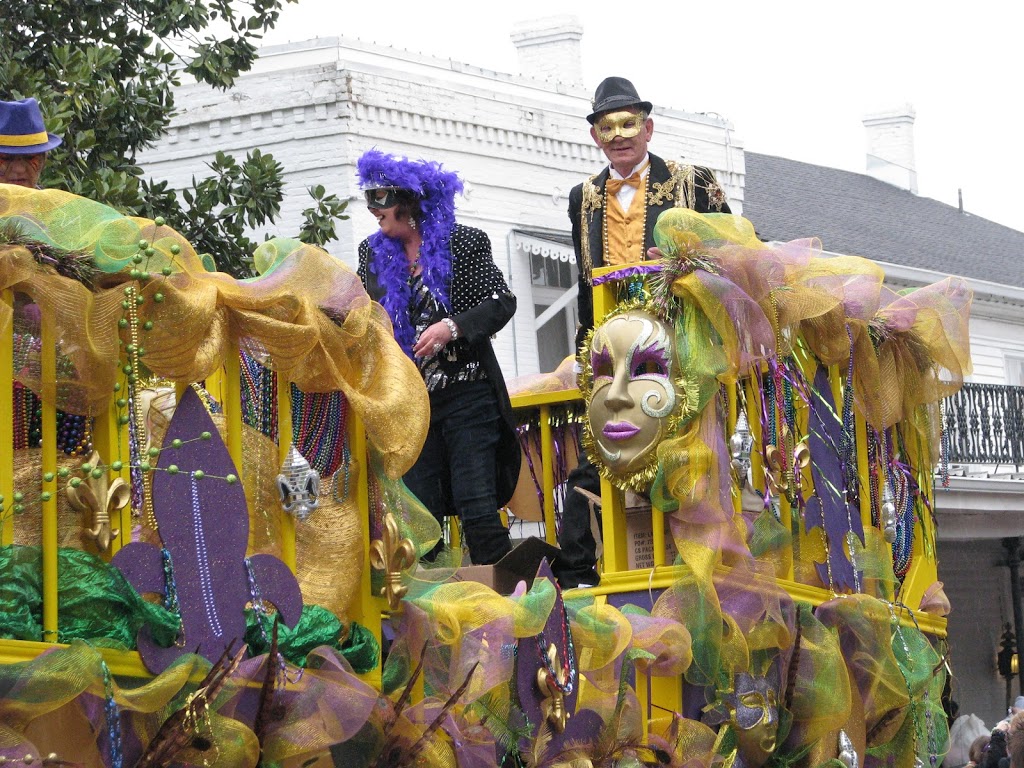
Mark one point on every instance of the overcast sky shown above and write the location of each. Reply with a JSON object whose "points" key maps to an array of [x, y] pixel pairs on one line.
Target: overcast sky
{"points": [[794, 78]]}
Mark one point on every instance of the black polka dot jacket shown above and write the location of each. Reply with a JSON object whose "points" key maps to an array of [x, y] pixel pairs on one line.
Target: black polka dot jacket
{"points": [[482, 305]]}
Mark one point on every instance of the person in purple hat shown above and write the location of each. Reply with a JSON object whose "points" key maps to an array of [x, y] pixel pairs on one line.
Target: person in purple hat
{"points": [[24, 142], [438, 282]]}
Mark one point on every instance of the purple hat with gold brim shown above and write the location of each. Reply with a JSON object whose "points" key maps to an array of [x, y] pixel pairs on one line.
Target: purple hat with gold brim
{"points": [[22, 131]]}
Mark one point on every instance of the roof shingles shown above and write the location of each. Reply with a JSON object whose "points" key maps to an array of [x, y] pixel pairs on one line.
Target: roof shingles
{"points": [[855, 214]]}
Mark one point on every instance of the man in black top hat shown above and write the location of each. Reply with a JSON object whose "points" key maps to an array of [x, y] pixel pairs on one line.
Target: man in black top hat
{"points": [[613, 215], [620, 205]]}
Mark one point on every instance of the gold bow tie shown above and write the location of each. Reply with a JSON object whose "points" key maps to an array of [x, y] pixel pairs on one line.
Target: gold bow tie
{"points": [[612, 186]]}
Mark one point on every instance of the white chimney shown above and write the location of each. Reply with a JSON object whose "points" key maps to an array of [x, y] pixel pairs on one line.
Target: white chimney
{"points": [[549, 49], [890, 140]]}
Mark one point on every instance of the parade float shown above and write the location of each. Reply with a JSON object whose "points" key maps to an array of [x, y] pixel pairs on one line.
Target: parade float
{"points": [[208, 556]]}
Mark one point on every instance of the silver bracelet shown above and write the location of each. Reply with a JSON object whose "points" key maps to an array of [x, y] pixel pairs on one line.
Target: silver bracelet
{"points": [[451, 327]]}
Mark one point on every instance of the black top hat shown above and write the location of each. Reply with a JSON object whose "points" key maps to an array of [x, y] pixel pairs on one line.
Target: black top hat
{"points": [[615, 93]]}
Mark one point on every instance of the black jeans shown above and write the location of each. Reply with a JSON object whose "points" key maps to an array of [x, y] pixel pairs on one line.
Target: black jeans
{"points": [[454, 474], [577, 564]]}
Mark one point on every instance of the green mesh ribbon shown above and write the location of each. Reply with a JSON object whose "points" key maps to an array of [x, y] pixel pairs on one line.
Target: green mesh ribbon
{"points": [[95, 603], [316, 627]]}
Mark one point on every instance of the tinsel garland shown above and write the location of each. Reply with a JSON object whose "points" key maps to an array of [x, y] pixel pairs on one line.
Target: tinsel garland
{"points": [[73, 264]]}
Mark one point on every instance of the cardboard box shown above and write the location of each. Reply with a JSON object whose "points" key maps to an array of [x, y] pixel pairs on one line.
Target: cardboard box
{"points": [[640, 539], [520, 564]]}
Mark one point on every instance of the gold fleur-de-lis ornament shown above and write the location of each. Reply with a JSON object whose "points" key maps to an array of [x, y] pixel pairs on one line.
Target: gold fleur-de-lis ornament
{"points": [[101, 499], [393, 555], [552, 680]]}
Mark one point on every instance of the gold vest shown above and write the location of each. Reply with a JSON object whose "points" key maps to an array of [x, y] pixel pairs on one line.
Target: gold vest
{"points": [[624, 230]]}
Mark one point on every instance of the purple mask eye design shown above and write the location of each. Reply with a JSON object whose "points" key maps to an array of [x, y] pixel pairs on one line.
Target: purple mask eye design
{"points": [[602, 364], [649, 361]]}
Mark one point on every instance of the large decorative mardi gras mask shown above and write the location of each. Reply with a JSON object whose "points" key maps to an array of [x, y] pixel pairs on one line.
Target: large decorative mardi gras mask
{"points": [[630, 390]]}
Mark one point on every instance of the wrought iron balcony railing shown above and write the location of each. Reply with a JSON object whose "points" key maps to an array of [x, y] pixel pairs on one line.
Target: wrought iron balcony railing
{"points": [[985, 425]]}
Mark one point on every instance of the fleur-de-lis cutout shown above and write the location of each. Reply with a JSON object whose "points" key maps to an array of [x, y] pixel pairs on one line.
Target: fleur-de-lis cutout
{"points": [[97, 496], [392, 554], [298, 485], [552, 680]]}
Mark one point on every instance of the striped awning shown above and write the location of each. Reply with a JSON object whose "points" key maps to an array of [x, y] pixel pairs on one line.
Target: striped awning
{"points": [[550, 247]]}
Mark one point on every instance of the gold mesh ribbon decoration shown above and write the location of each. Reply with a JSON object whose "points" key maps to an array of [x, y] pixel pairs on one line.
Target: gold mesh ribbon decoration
{"points": [[308, 314], [47, 699]]}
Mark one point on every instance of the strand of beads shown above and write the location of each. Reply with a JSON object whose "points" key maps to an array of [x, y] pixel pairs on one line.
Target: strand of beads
{"points": [[131, 414], [897, 631], [320, 431], [203, 559], [258, 606], [171, 593], [23, 409], [848, 442], [113, 715], [259, 394], [52, 759], [876, 466], [944, 446], [568, 671]]}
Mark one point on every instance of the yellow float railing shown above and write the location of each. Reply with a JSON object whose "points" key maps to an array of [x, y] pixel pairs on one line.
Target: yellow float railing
{"points": [[110, 437]]}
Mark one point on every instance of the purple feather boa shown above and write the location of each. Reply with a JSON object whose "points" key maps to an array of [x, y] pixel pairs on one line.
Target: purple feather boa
{"points": [[436, 189]]}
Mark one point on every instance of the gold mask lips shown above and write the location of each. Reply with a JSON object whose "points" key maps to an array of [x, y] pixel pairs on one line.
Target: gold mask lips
{"points": [[624, 124]]}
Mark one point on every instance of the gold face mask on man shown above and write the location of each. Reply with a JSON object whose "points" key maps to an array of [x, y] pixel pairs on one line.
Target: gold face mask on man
{"points": [[623, 136]]}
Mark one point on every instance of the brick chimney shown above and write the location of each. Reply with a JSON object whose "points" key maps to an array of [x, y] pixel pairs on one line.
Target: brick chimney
{"points": [[549, 49], [890, 143]]}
